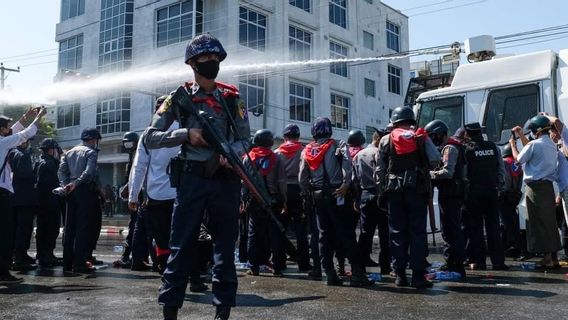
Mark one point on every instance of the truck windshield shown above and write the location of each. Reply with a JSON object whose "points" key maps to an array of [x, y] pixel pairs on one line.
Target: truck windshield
{"points": [[448, 110], [510, 107]]}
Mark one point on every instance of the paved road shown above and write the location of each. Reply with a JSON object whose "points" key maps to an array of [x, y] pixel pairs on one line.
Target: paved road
{"points": [[122, 294]]}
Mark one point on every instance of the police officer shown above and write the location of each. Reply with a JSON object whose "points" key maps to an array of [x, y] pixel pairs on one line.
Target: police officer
{"points": [[290, 151], [509, 199], [449, 178], [11, 137], [78, 174], [264, 236], [24, 202], [50, 205], [403, 160], [207, 183], [373, 211], [326, 168], [485, 176]]}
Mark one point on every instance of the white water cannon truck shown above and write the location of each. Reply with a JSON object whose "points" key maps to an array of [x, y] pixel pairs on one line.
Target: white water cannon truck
{"points": [[499, 92]]}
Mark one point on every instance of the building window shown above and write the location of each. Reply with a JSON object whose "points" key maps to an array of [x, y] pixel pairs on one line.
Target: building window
{"points": [[300, 44], [71, 53], [369, 132], [338, 12], [300, 102], [251, 89], [72, 8], [337, 51], [394, 79], [302, 4], [368, 40], [393, 36], [252, 29], [175, 23], [370, 88], [115, 37], [339, 111], [68, 115], [113, 113]]}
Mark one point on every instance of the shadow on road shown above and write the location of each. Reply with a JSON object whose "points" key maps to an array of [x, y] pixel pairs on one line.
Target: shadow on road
{"points": [[252, 300], [25, 288], [126, 276], [503, 291]]}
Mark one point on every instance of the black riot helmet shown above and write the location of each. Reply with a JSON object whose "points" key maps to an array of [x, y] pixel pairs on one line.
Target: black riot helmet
{"points": [[291, 131], [321, 128], [263, 138], [204, 44], [437, 131], [507, 151], [402, 114], [356, 138], [90, 133], [129, 140]]}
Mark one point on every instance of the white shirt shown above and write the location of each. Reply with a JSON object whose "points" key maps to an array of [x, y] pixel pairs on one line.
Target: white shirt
{"points": [[539, 159], [151, 164], [19, 135]]}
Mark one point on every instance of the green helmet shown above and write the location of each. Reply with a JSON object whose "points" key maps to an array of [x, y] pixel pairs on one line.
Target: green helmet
{"points": [[539, 123]]}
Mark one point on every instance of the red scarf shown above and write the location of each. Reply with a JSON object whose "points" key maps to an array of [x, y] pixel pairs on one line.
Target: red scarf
{"points": [[403, 140], [263, 158], [314, 153], [353, 151], [454, 141], [289, 148], [514, 168]]}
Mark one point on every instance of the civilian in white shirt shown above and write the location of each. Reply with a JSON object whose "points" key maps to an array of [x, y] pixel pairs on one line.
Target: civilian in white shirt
{"points": [[11, 137]]}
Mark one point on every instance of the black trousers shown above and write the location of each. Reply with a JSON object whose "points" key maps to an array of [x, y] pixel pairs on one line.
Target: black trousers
{"points": [[483, 210], [80, 220], [336, 231], [96, 225], [297, 220], [450, 215], [141, 241], [243, 236], [159, 220], [374, 217], [48, 223], [23, 228], [510, 230], [6, 232], [264, 238]]}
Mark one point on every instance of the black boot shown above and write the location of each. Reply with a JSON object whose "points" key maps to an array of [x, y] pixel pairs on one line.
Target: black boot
{"points": [[170, 313], [419, 281], [223, 313], [333, 279], [401, 280]]}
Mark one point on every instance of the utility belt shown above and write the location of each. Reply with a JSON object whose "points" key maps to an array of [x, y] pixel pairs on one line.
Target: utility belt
{"points": [[320, 192], [397, 182], [179, 166]]}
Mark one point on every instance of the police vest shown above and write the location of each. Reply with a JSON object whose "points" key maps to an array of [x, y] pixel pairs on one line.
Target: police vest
{"points": [[400, 163], [482, 164], [456, 185]]}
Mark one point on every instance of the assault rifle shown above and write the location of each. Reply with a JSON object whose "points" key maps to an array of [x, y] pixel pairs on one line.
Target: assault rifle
{"points": [[219, 143]]}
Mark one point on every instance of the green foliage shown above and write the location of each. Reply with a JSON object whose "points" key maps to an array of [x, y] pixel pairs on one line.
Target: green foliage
{"points": [[46, 128]]}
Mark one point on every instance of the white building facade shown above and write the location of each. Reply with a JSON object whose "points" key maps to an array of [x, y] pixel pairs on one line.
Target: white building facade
{"points": [[100, 36]]}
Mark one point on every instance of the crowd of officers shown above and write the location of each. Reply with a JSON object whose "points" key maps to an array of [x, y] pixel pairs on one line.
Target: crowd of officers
{"points": [[189, 207]]}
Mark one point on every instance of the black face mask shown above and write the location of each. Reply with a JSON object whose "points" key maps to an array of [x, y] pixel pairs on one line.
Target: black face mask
{"points": [[208, 69]]}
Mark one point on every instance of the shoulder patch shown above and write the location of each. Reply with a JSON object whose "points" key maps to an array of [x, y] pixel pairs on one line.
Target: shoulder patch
{"points": [[165, 105], [228, 90]]}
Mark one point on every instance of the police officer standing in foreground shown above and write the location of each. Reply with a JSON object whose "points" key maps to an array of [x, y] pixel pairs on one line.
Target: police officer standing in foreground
{"points": [[78, 174], [290, 151], [11, 137], [326, 169], [373, 210], [485, 175], [50, 205], [403, 162], [449, 178], [207, 181]]}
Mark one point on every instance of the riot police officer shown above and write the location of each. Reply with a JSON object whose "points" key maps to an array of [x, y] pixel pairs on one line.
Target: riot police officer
{"points": [[207, 181], [290, 151], [325, 168], [485, 176], [78, 174], [509, 199], [449, 178], [403, 160], [373, 210], [50, 205], [264, 237]]}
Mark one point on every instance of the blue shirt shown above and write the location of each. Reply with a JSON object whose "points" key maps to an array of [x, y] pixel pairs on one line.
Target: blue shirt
{"points": [[562, 179], [539, 159]]}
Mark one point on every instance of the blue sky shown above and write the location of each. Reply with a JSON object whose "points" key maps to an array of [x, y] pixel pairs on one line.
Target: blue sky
{"points": [[29, 26]]}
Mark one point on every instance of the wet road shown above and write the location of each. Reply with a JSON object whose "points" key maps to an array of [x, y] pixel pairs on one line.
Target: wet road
{"points": [[121, 294]]}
